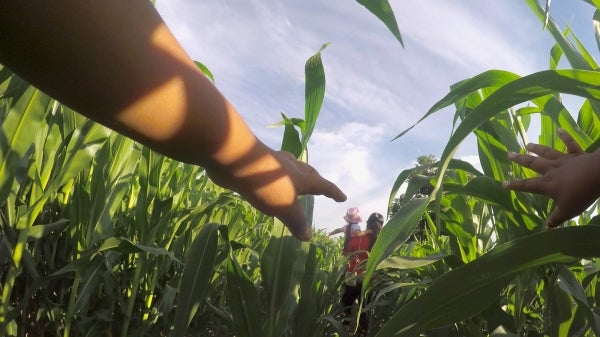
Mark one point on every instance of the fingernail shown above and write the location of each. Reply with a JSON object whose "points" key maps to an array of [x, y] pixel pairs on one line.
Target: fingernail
{"points": [[560, 130], [504, 184], [511, 155], [550, 224]]}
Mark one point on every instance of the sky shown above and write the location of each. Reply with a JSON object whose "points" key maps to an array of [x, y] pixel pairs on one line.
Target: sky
{"points": [[375, 88]]}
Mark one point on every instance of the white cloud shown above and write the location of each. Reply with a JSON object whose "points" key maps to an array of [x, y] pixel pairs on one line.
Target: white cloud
{"points": [[346, 156], [375, 89]]}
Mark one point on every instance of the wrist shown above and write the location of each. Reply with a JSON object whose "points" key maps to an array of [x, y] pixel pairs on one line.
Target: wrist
{"points": [[258, 175]]}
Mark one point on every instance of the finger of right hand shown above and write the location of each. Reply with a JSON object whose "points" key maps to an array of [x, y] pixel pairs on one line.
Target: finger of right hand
{"points": [[533, 185], [537, 164], [543, 151], [331, 190], [572, 146], [556, 218]]}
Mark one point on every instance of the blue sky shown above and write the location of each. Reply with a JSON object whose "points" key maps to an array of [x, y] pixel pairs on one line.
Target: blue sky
{"points": [[257, 49]]}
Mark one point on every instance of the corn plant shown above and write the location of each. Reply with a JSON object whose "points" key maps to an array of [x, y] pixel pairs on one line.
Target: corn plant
{"points": [[94, 227], [489, 264], [102, 236]]}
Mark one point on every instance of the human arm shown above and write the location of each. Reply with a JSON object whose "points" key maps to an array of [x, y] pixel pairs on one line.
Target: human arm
{"points": [[571, 179], [336, 231], [116, 62]]}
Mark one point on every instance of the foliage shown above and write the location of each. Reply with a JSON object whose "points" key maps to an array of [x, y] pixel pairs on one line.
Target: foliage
{"points": [[419, 182], [490, 265], [101, 236]]}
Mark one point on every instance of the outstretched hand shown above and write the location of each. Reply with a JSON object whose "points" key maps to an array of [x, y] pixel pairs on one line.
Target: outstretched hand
{"points": [[152, 92], [274, 187], [572, 179]]}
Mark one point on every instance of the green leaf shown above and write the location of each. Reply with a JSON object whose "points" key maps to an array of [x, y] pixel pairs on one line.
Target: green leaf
{"points": [[41, 231], [383, 10], [484, 188], [279, 277], [306, 313], [596, 23], [575, 58], [394, 233], [291, 138], [572, 286], [555, 55], [25, 113], [81, 149], [409, 262], [401, 179], [488, 79], [314, 93], [125, 246], [197, 273], [204, 69], [469, 289], [243, 300], [577, 82], [589, 121]]}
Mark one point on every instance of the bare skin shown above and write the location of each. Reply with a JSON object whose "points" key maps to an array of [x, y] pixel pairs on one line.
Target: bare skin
{"points": [[572, 179], [117, 63], [336, 231], [341, 230]]}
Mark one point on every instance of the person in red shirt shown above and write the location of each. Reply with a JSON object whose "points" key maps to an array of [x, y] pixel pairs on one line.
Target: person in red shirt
{"points": [[357, 250]]}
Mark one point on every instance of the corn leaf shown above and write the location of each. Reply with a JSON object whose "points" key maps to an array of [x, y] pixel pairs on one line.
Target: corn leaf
{"points": [[469, 289], [243, 300], [277, 262], [577, 82], [197, 273], [313, 94], [291, 138], [383, 10], [488, 79], [395, 232], [306, 313]]}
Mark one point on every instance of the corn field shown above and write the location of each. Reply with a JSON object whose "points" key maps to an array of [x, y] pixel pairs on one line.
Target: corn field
{"points": [[100, 236]]}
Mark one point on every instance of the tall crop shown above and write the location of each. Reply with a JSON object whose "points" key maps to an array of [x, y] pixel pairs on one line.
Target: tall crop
{"points": [[489, 264], [101, 236]]}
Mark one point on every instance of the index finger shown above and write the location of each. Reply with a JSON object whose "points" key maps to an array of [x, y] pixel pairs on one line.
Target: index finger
{"points": [[570, 143], [538, 164], [322, 186], [313, 183], [533, 185]]}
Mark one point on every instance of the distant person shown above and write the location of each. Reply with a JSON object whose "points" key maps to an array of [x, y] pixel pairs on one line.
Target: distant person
{"points": [[571, 179], [118, 63], [353, 220], [358, 252]]}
